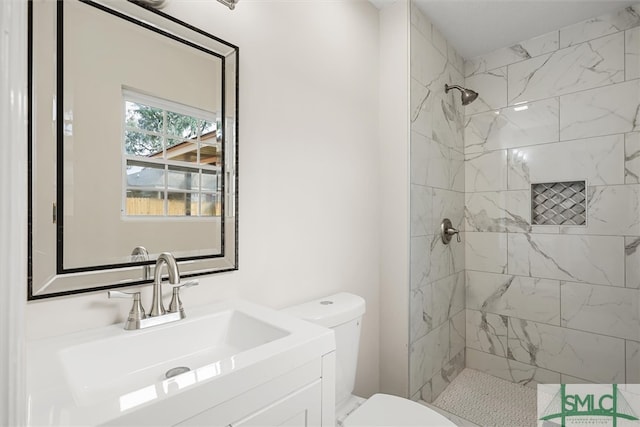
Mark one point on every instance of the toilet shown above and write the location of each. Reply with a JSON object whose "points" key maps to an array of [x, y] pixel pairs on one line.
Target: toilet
{"points": [[343, 313]]}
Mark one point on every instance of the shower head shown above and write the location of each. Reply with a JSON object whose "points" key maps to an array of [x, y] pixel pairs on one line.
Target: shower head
{"points": [[468, 95]]}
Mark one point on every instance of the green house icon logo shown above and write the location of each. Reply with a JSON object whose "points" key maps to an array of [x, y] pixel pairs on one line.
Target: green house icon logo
{"points": [[564, 406]]}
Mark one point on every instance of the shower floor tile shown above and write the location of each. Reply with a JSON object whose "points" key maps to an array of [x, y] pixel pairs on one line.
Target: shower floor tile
{"points": [[487, 401]]}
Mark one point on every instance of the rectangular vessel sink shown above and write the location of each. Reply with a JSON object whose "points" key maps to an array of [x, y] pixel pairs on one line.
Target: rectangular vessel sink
{"points": [[112, 376], [139, 358]]}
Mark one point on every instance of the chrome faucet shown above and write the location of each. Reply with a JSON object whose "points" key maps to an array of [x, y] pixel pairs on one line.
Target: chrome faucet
{"points": [[165, 258], [158, 315]]}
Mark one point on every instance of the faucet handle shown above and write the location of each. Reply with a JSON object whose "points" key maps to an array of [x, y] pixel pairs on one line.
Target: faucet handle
{"points": [[175, 306], [120, 294], [136, 314], [187, 284]]}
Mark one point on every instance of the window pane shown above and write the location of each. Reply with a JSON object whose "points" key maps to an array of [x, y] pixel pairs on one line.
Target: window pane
{"points": [[183, 204], [209, 132], [209, 155], [145, 203], [181, 150], [146, 175], [183, 178], [210, 205], [143, 117], [182, 126], [209, 181], [142, 144]]}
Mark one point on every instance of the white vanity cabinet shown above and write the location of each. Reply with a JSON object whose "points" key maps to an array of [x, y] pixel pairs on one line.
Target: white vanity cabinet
{"points": [[303, 397]]}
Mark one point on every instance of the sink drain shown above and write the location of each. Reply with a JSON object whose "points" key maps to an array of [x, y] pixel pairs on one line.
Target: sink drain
{"points": [[176, 371]]}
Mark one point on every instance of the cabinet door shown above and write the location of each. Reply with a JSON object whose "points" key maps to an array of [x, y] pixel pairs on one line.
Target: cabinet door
{"points": [[301, 408]]}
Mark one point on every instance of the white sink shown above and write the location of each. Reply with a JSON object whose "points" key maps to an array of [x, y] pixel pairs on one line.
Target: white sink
{"points": [[139, 358], [100, 376]]}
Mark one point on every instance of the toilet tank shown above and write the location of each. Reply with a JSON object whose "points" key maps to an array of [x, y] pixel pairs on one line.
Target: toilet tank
{"points": [[343, 313]]}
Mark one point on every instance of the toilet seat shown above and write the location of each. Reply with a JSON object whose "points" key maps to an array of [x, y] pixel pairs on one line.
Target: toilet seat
{"points": [[386, 410]]}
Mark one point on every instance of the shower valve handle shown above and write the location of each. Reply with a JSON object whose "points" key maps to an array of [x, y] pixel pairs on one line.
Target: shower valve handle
{"points": [[447, 231]]}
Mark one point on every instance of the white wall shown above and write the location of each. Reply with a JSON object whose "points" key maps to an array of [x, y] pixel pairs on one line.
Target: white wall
{"points": [[13, 209], [309, 199], [394, 194]]}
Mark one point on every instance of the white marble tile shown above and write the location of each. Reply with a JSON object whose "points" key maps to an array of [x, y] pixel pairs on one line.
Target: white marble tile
{"points": [[430, 162], [515, 296], [581, 354], [419, 158], [457, 250], [510, 370], [591, 259], [524, 50], [602, 111], [420, 262], [487, 332], [486, 252], [438, 40], [516, 126], [440, 265], [596, 160], [447, 114], [457, 334], [427, 356], [632, 158], [455, 59], [448, 298], [446, 374], [539, 45], [486, 171], [498, 211], [611, 210], [545, 229], [492, 90], [420, 22], [421, 100], [633, 362], [632, 54], [421, 207], [584, 66], [599, 26], [568, 379], [447, 204], [438, 165], [456, 171], [601, 309], [632, 262], [421, 309], [427, 63]]}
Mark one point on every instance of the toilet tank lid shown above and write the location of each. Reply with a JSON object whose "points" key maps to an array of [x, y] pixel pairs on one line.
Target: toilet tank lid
{"points": [[330, 311]]}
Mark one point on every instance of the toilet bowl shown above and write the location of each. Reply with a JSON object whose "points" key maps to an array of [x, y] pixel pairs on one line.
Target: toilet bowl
{"points": [[343, 313]]}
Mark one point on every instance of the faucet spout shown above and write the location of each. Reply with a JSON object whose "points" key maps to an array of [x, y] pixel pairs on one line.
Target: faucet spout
{"points": [[140, 253], [165, 258]]}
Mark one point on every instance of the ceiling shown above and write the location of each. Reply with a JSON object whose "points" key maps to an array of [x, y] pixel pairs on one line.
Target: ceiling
{"points": [[476, 27]]}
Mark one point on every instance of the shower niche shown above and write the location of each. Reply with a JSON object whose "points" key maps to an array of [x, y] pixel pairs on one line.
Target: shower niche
{"points": [[559, 203]]}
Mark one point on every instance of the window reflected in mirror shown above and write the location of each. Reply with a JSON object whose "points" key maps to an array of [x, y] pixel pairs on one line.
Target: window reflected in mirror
{"points": [[172, 154]]}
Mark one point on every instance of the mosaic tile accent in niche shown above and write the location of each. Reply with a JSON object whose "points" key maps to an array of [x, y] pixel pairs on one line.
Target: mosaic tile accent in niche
{"points": [[559, 203]]}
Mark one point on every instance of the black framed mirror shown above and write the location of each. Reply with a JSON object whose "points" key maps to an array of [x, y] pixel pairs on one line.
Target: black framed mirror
{"points": [[133, 150]]}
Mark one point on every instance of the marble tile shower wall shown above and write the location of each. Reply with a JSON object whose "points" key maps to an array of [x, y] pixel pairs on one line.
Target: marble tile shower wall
{"points": [[555, 303], [437, 324]]}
